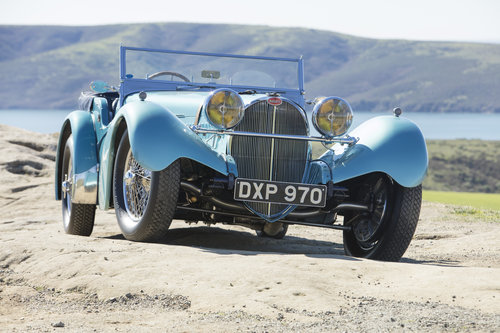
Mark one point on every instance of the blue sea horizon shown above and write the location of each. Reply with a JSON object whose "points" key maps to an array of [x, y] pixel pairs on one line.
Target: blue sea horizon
{"points": [[438, 126]]}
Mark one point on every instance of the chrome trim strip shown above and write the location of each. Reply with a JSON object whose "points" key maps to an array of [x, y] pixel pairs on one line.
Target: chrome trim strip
{"points": [[344, 140], [272, 157]]}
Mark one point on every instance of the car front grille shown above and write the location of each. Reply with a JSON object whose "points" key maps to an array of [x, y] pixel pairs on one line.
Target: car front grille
{"points": [[266, 158]]}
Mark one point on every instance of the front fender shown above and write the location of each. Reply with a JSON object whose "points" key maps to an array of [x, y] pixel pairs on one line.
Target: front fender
{"points": [[84, 160], [158, 138], [388, 144]]}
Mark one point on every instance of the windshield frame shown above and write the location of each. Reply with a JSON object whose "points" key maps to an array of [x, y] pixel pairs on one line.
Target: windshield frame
{"points": [[131, 84]]}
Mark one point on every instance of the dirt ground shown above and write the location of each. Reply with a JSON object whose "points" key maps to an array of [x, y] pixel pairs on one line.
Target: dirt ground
{"points": [[225, 279]]}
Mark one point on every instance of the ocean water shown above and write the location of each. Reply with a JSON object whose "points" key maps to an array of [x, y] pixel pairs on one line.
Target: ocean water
{"points": [[433, 125], [42, 121], [445, 126]]}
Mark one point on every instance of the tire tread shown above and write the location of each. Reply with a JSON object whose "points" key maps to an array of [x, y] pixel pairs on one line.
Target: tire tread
{"points": [[398, 241], [82, 219], [164, 206]]}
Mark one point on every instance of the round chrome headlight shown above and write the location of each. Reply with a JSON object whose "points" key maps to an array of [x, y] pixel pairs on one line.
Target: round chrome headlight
{"points": [[224, 108], [332, 116]]}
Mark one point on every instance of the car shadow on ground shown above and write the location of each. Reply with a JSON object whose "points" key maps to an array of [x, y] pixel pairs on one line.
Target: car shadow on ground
{"points": [[224, 241]]}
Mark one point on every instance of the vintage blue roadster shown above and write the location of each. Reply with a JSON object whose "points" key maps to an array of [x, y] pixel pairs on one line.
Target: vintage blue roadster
{"points": [[227, 139]]}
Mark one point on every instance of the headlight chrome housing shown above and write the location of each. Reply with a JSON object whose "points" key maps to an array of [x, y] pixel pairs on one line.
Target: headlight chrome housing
{"points": [[224, 108], [332, 116]]}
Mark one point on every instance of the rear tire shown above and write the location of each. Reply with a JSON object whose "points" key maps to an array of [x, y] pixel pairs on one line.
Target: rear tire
{"points": [[385, 233], [144, 200], [78, 219]]}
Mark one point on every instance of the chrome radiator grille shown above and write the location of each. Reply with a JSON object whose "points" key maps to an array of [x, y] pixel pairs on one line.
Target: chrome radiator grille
{"points": [[267, 158]]}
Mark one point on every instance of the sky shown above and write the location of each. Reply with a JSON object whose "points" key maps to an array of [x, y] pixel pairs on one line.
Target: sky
{"points": [[443, 20]]}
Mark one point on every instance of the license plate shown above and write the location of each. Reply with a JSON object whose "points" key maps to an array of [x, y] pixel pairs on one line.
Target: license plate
{"points": [[280, 192]]}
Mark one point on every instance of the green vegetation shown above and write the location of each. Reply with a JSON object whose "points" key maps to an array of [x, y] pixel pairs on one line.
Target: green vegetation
{"points": [[463, 166], [469, 207], [44, 67], [470, 214], [475, 201]]}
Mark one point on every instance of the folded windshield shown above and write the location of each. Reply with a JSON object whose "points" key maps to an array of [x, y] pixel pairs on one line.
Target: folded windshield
{"points": [[208, 68]]}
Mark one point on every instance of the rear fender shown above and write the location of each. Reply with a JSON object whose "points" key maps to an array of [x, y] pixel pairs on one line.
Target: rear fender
{"points": [[84, 159], [388, 144]]}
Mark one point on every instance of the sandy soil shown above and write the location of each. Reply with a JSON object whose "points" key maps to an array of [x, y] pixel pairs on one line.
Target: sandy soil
{"points": [[225, 279]]}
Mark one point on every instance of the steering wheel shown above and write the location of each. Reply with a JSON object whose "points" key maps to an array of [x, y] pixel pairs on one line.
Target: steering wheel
{"points": [[180, 76]]}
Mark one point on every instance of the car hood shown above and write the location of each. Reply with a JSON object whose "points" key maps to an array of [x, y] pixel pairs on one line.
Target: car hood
{"points": [[184, 104]]}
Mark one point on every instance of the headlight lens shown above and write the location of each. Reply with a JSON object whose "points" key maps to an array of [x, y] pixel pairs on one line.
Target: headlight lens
{"points": [[332, 116], [224, 108]]}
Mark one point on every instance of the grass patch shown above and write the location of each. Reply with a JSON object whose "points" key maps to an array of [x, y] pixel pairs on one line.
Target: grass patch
{"points": [[469, 207], [466, 211], [472, 200], [471, 214]]}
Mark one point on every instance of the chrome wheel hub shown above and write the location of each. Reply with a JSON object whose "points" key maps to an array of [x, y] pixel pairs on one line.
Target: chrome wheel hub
{"points": [[136, 188], [67, 185]]}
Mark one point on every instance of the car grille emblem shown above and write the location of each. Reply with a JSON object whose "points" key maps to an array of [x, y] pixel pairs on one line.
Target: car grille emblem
{"points": [[275, 101]]}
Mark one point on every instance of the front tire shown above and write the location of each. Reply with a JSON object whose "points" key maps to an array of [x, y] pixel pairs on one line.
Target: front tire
{"points": [[144, 200], [78, 219], [386, 232]]}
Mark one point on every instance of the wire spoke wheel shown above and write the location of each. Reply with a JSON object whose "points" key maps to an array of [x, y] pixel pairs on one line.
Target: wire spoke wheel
{"points": [[136, 188], [144, 200]]}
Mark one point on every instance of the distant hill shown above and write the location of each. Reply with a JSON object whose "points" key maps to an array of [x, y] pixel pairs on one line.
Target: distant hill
{"points": [[45, 67]]}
